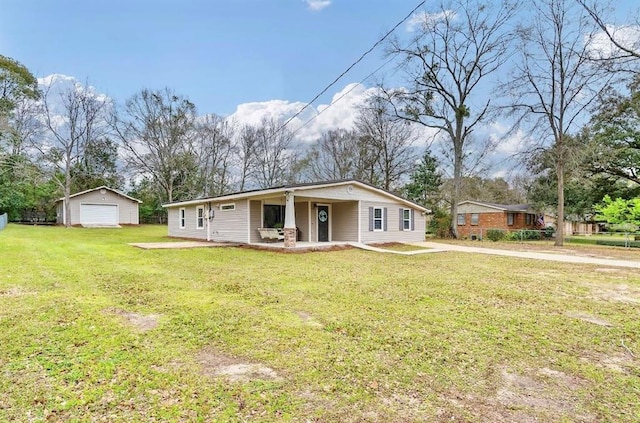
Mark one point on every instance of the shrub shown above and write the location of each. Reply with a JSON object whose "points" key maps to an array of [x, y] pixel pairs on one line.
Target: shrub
{"points": [[495, 234], [523, 235]]}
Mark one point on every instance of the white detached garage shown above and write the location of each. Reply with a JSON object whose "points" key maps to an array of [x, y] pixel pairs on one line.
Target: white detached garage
{"points": [[102, 206]]}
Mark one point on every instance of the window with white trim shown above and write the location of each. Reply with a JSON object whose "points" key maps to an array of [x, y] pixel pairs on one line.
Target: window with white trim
{"points": [[461, 219], [406, 219], [228, 206], [181, 218], [510, 218], [475, 218], [377, 219], [200, 217]]}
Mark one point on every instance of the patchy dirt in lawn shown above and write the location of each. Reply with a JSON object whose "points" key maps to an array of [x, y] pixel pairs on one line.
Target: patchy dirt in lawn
{"points": [[142, 322], [621, 362], [309, 320], [540, 395], [615, 292], [216, 364], [589, 318], [15, 291]]}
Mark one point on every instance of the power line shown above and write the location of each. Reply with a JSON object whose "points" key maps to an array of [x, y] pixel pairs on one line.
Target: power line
{"points": [[377, 43]]}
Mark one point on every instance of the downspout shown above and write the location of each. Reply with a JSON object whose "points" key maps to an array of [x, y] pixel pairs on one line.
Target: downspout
{"points": [[209, 221]]}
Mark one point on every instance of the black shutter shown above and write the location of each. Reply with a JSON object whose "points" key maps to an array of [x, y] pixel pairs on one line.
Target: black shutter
{"points": [[384, 219], [413, 225], [401, 220], [370, 218]]}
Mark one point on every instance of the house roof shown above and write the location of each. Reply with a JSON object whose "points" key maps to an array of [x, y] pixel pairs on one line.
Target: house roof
{"points": [[99, 188], [503, 207], [297, 188]]}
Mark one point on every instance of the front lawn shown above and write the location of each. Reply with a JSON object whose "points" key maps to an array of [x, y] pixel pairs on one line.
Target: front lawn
{"points": [[92, 329]]}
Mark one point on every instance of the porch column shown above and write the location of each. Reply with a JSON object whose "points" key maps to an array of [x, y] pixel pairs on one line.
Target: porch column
{"points": [[290, 220]]}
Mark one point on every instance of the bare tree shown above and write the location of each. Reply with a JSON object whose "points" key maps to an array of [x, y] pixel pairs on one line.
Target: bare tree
{"points": [[246, 155], [333, 156], [275, 155], [156, 129], [213, 145], [73, 119], [391, 140], [628, 49], [455, 50], [555, 80]]}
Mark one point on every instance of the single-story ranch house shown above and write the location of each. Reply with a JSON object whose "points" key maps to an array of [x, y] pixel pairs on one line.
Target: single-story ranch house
{"points": [[475, 218], [102, 206], [345, 211]]}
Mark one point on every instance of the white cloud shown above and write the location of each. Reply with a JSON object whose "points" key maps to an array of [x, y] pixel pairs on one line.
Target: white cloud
{"points": [[317, 5], [628, 36], [313, 121], [425, 20]]}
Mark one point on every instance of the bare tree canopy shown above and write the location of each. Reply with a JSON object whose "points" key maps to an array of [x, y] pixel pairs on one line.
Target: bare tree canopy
{"points": [[554, 80], [458, 46], [618, 35], [75, 118], [156, 129], [214, 148], [390, 144]]}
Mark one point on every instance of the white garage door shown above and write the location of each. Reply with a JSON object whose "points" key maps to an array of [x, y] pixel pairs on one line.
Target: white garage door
{"points": [[98, 214]]}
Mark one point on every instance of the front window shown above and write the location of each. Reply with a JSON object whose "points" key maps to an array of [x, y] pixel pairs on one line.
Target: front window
{"points": [[461, 219], [200, 217], [510, 218], [475, 218], [377, 219], [406, 219], [181, 214]]}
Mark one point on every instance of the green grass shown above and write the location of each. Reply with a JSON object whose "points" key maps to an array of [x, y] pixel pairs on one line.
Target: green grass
{"points": [[353, 335]]}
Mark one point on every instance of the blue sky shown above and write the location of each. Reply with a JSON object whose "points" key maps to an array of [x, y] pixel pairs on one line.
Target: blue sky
{"points": [[218, 53]]}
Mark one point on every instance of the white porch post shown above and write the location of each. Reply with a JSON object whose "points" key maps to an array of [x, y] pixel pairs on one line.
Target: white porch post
{"points": [[290, 220]]}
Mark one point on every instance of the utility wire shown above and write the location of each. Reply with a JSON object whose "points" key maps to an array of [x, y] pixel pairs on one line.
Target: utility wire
{"points": [[377, 43]]}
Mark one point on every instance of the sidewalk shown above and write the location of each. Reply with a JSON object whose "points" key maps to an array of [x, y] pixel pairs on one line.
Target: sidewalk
{"points": [[531, 255]]}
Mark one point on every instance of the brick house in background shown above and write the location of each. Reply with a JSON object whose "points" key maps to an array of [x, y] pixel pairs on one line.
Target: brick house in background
{"points": [[475, 218]]}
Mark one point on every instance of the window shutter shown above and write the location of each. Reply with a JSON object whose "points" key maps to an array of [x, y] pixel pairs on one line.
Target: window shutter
{"points": [[370, 218], [401, 220], [384, 219], [413, 225]]}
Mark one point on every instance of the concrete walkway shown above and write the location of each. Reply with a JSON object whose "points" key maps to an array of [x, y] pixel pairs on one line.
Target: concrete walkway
{"points": [[531, 255]]}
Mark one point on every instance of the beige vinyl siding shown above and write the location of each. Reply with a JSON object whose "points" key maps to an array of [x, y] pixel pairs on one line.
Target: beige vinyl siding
{"points": [[477, 208], [190, 230], [342, 192], [127, 209], [393, 232], [302, 220], [230, 225], [256, 221], [345, 221]]}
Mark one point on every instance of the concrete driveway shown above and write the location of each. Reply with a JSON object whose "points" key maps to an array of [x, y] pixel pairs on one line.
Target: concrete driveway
{"points": [[532, 255]]}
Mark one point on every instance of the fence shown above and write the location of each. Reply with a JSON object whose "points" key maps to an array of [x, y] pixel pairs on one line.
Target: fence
{"points": [[3, 221]]}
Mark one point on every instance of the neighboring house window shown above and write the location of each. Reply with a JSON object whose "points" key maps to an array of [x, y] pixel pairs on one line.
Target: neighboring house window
{"points": [[377, 218], [406, 220], [228, 207], [200, 217], [510, 218], [181, 214], [475, 218], [461, 219], [531, 219]]}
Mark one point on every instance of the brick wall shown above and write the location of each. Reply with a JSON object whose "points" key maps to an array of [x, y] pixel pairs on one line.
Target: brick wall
{"points": [[494, 220]]}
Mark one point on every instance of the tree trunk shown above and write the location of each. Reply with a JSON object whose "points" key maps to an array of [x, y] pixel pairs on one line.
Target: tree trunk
{"points": [[67, 195], [560, 222]]}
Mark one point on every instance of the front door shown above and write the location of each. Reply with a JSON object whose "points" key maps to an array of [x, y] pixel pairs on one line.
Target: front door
{"points": [[323, 223]]}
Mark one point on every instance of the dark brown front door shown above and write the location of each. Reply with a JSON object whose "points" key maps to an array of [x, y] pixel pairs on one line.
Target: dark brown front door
{"points": [[323, 223]]}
